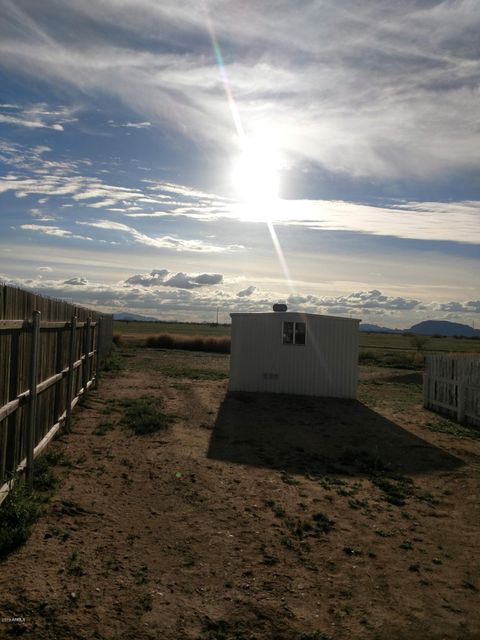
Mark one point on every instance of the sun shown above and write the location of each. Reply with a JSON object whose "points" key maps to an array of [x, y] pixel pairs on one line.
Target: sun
{"points": [[256, 181]]}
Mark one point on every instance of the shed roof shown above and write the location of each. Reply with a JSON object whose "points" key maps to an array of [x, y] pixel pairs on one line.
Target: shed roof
{"points": [[293, 315]]}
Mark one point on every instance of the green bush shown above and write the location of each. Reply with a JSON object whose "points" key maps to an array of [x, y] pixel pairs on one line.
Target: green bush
{"points": [[111, 362], [44, 478], [394, 359], [18, 513], [144, 416]]}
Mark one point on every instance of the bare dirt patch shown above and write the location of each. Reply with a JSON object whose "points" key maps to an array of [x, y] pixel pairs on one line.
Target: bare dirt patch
{"points": [[252, 517]]}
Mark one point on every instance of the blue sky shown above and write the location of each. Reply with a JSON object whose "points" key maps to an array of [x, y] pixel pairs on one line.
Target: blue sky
{"points": [[170, 158]]}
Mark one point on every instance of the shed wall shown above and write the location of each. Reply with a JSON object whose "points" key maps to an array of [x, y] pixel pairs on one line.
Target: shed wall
{"points": [[325, 366]]}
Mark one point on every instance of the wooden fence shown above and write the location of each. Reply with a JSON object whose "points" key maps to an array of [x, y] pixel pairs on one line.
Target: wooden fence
{"points": [[50, 352], [451, 386]]}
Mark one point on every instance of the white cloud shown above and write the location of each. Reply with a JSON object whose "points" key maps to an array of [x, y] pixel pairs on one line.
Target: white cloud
{"points": [[410, 220], [36, 116], [153, 214], [178, 295], [180, 190], [76, 282], [470, 306], [367, 89], [154, 278], [132, 125], [53, 231], [247, 292], [65, 179], [163, 242], [180, 280], [357, 302], [208, 279]]}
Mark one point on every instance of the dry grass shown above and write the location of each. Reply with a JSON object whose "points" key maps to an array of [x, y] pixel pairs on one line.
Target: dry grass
{"points": [[189, 343]]}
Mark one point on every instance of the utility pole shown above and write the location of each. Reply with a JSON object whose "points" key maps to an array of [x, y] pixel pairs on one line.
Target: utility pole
{"points": [[217, 315]]}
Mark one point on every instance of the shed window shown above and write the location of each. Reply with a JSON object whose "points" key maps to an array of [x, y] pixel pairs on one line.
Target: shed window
{"points": [[294, 333]]}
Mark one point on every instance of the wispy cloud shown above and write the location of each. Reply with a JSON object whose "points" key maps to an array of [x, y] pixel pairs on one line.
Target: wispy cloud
{"points": [[163, 242], [352, 88], [37, 116], [410, 220], [130, 125], [365, 104], [53, 231], [66, 179]]}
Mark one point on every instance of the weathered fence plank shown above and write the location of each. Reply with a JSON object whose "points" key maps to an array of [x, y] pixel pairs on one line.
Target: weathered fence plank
{"points": [[34, 405], [452, 386], [71, 371]]}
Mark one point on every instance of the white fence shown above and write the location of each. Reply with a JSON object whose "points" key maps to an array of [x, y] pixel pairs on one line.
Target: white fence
{"points": [[451, 386]]}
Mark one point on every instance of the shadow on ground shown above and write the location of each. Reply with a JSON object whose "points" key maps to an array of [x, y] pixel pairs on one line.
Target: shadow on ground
{"points": [[306, 435]]}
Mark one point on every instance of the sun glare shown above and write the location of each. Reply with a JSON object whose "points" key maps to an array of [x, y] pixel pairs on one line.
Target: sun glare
{"points": [[256, 182]]}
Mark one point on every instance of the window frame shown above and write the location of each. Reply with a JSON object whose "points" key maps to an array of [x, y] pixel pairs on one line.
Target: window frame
{"points": [[294, 324]]}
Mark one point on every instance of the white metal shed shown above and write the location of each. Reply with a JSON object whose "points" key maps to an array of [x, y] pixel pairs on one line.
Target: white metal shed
{"points": [[289, 352]]}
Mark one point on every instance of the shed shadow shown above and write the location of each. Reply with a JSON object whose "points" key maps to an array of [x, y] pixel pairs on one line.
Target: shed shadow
{"points": [[308, 435]]}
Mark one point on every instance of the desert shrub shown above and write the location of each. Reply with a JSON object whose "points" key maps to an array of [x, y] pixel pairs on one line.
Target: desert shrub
{"points": [[323, 522], [144, 416], [189, 343], [418, 341], [194, 374], [112, 362], [367, 357], [394, 359], [18, 513], [163, 341], [400, 360], [44, 478], [57, 457]]}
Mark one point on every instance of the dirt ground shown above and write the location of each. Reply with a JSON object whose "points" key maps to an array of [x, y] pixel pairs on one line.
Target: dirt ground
{"points": [[253, 517]]}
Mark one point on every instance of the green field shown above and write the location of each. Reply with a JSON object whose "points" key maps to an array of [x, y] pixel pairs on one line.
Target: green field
{"points": [[145, 329], [404, 342], [374, 343]]}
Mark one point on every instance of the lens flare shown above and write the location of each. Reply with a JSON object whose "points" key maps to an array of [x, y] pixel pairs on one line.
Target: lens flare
{"points": [[255, 173]]}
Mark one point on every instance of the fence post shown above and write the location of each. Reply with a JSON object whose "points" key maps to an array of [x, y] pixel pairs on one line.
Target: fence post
{"points": [[71, 372], [460, 401], [89, 349], [86, 362], [460, 391], [426, 382], [59, 364], [97, 345], [10, 453], [32, 409]]}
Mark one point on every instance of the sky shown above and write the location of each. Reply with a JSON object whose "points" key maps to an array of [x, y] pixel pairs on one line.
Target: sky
{"points": [[174, 158]]}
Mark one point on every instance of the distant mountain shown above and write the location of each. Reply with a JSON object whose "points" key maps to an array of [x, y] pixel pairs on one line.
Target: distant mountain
{"points": [[132, 317], [444, 328], [374, 328], [428, 328]]}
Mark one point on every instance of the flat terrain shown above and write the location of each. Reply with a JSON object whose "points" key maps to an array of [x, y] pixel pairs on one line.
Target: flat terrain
{"points": [[253, 517], [137, 332]]}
